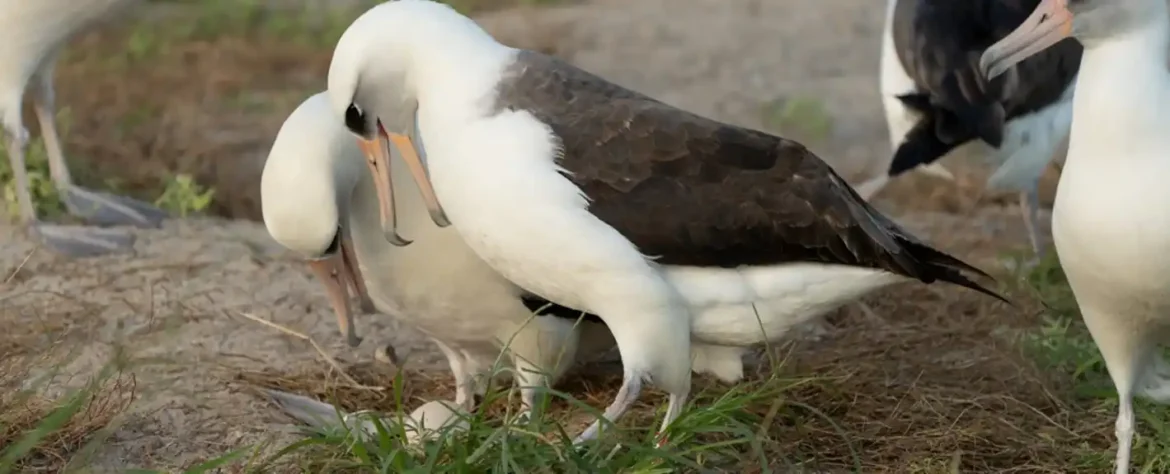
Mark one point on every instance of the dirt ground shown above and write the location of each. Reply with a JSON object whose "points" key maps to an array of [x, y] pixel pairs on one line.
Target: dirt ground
{"points": [[174, 305]]}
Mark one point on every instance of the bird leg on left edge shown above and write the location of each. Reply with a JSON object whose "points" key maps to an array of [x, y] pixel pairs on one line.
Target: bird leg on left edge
{"points": [[73, 241], [95, 207]]}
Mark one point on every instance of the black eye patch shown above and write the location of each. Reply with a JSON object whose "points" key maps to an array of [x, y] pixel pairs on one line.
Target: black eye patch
{"points": [[355, 121]]}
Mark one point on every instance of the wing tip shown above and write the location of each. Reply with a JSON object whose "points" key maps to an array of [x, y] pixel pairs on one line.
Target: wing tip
{"points": [[944, 267]]}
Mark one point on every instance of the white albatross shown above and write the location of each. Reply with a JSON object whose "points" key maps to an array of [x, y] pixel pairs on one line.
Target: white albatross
{"points": [[1110, 223], [35, 32], [604, 200], [318, 201]]}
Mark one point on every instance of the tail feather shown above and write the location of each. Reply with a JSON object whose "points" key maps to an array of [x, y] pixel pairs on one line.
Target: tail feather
{"points": [[921, 146]]}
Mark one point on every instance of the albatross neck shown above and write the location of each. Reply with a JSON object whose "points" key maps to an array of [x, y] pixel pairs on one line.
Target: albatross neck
{"points": [[456, 75], [1123, 83]]}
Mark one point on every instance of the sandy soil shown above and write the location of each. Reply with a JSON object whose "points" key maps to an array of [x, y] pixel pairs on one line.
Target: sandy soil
{"points": [[175, 302]]}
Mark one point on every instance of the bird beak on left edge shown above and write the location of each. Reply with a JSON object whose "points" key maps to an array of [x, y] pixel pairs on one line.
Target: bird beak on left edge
{"points": [[1051, 22], [337, 273], [377, 153]]}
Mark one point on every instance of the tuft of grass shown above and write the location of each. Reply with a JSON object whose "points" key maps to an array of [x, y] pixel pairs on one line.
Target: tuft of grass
{"points": [[723, 435], [1062, 346], [46, 201], [42, 434], [183, 196], [801, 118]]}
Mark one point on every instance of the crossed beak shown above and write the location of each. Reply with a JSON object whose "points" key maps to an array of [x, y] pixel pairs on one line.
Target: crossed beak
{"points": [[339, 273], [1051, 22], [377, 151]]}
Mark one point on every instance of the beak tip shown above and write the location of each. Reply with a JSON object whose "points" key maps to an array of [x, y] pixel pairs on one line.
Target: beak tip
{"points": [[353, 340], [985, 67]]}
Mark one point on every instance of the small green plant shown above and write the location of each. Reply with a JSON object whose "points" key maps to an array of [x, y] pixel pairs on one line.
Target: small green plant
{"points": [[183, 196], [801, 118], [46, 201]]}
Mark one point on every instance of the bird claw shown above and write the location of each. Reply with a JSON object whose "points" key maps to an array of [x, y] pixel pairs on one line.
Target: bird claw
{"points": [[104, 209], [80, 242]]}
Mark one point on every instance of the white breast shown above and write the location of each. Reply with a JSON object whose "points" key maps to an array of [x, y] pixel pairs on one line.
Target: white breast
{"points": [[437, 283], [498, 182]]}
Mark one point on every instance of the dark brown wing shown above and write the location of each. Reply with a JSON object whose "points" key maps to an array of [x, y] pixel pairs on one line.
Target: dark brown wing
{"points": [[693, 191]]}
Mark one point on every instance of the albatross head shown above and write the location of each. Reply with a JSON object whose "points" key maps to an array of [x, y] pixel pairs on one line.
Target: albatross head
{"points": [[305, 192], [1088, 21], [379, 65]]}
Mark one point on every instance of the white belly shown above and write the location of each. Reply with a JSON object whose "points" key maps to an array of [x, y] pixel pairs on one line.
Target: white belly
{"points": [[1112, 232], [740, 307], [437, 285]]}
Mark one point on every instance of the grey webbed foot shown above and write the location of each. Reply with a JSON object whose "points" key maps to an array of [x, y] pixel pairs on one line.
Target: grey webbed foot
{"points": [[105, 209], [79, 241]]}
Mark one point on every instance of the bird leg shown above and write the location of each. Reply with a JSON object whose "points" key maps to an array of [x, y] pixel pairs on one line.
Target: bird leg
{"points": [[1030, 208], [464, 393], [70, 240], [478, 376], [673, 410], [95, 207], [627, 394], [17, 141], [1124, 432]]}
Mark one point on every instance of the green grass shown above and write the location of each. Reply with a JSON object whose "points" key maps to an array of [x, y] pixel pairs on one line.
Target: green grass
{"points": [[182, 196], [38, 434], [1062, 345], [723, 435], [803, 119], [724, 428]]}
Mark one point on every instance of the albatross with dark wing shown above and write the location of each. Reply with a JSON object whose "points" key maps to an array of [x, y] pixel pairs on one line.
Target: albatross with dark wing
{"points": [[606, 201], [34, 34], [936, 99]]}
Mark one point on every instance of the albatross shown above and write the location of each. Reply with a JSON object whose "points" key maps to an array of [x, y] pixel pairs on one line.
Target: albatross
{"points": [[34, 35], [317, 200], [1110, 223], [936, 100], [603, 200]]}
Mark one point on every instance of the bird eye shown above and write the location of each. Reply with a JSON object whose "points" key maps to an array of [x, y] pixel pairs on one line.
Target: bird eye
{"points": [[355, 121]]}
